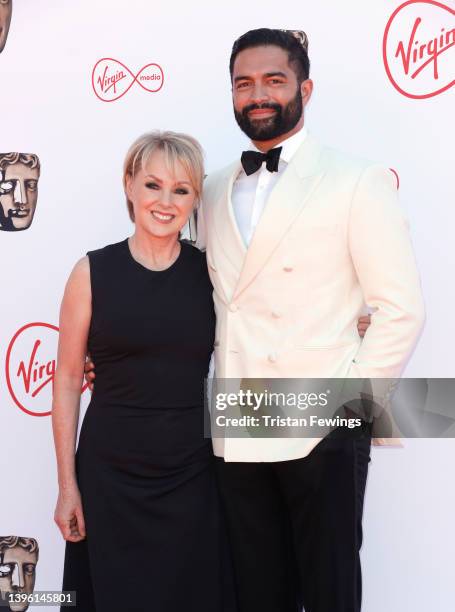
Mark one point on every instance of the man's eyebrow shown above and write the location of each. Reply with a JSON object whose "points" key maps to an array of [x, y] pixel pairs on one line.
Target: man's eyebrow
{"points": [[268, 75], [277, 73]]}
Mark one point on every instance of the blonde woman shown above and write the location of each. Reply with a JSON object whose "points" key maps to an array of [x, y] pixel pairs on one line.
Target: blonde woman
{"points": [[138, 504]]}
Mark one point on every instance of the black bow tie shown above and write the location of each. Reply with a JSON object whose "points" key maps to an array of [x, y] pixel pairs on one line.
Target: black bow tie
{"points": [[252, 160]]}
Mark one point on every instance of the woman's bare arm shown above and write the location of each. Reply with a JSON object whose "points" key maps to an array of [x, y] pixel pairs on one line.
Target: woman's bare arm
{"points": [[75, 316]]}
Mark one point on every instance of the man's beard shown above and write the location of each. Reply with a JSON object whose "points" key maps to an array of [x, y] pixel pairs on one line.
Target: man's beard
{"points": [[282, 122]]}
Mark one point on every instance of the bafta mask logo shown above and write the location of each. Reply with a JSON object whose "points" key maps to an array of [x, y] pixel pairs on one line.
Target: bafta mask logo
{"points": [[19, 174], [18, 559], [6, 9]]}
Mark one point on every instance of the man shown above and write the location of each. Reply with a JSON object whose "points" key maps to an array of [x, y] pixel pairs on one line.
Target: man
{"points": [[19, 174], [18, 559], [299, 239], [6, 9]]}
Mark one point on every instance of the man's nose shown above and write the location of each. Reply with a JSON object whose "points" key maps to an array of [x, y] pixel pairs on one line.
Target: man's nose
{"points": [[259, 94], [18, 576], [20, 193]]}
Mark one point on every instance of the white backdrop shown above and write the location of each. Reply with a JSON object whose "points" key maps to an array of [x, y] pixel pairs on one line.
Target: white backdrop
{"points": [[48, 107]]}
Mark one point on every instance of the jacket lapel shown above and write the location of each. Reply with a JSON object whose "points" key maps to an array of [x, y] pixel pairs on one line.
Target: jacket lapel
{"points": [[285, 203], [228, 233]]}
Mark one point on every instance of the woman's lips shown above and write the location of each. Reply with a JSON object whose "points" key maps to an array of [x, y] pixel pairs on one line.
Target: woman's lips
{"points": [[162, 217]]}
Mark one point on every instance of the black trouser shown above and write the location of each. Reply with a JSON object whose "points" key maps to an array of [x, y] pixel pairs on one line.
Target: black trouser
{"points": [[296, 527]]}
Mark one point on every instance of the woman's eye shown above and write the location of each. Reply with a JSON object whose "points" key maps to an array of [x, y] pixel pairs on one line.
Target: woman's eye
{"points": [[152, 186], [181, 191]]}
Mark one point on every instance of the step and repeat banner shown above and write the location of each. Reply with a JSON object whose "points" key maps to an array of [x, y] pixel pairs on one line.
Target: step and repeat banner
{"points": [[79, 81]]}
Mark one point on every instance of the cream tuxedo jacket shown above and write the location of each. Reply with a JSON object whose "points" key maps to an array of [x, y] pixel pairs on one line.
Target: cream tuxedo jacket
{"points": [[331, 240]]}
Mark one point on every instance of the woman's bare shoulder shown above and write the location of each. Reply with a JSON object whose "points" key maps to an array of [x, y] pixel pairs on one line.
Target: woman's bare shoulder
{"points": [[79, 278]]}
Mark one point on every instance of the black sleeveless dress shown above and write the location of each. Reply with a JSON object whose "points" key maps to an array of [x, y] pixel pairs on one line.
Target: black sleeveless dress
{"points": [[155, 539]]}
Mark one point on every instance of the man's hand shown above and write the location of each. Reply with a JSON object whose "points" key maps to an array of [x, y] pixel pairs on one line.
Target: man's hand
{"points": [[362, 325], [89, 373]]}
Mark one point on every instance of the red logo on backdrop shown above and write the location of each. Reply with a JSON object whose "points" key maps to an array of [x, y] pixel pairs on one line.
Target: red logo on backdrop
{"points": [[419, 48], [30, 367], [111, 79]]}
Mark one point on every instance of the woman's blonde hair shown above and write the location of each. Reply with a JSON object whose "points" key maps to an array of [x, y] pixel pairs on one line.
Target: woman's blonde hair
{"points": [[176, 148]]}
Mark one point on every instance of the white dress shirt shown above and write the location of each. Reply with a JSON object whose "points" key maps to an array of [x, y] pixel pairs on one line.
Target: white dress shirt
{"points": [[250, 193]]}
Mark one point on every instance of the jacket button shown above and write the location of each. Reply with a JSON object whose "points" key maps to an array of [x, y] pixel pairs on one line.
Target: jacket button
{"points": [[272, 357], [233, 307]]}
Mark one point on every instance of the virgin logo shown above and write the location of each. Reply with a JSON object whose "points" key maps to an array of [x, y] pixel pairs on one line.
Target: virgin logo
{"points": [[419, 48], [111, 79], [30, 367]]}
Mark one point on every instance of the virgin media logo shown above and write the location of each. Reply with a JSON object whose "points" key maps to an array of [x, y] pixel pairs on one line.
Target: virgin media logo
{"points": [[30, 367], [111, 79], [419, 48]]}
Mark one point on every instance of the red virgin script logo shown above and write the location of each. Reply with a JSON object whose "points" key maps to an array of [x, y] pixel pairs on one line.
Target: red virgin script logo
{"points": [[30, 367], [419, 48], [111, 79]]}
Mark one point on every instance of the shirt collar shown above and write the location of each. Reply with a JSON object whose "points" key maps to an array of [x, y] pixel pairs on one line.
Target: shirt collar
{"points": [[290, 145]]}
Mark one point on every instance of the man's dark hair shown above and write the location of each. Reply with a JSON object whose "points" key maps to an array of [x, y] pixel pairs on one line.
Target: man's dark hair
{"points": [[297, 54]]}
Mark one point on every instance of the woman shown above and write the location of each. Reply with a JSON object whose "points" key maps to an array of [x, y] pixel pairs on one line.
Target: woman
{"points": [[138, 503]]}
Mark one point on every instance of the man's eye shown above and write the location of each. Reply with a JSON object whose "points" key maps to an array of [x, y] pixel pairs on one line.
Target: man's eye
{"points": [[152, 186], [5, 570], [242, 85], [275, 81]]}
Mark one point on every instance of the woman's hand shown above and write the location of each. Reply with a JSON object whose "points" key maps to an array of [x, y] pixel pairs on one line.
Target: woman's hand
{"points": [[69, 515], [362, 325]]}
